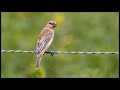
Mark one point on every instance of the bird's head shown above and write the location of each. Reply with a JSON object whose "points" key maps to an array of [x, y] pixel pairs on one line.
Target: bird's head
{"points": [[51, 24]]}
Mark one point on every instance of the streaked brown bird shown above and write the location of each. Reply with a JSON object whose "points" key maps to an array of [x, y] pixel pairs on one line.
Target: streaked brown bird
{"points": [[44, 41]]}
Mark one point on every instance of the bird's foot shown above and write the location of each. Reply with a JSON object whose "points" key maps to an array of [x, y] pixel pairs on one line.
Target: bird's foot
{"points": [[52, 53]]}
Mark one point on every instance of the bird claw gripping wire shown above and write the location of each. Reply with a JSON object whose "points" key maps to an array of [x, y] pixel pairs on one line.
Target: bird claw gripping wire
{"points": [[52, 53]]}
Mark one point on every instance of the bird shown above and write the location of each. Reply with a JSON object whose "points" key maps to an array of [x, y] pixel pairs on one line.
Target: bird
{"points": [[44, 41]]}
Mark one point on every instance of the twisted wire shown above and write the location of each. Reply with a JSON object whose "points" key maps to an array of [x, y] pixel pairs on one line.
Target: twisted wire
{"points": [[59, 52]]}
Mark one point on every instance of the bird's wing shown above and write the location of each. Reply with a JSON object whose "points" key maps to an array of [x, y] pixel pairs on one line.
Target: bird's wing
{"points": [[44, 39]]}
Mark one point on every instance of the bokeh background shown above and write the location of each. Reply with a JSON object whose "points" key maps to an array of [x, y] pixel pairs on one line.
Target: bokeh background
{"points": [[75, 31]]}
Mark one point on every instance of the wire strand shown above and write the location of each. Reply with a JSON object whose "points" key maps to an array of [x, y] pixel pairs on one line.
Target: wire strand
{"points": [[59, 52]]}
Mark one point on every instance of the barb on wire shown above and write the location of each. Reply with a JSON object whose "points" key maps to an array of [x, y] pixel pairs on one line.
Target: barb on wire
{"points": [[59, 52]]}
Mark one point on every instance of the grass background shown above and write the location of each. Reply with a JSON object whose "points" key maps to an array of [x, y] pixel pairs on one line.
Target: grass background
{"points": [[75, 31]]}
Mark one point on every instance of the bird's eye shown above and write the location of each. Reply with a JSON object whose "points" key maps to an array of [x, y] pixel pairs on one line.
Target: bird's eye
{"points": [[50, 23]]}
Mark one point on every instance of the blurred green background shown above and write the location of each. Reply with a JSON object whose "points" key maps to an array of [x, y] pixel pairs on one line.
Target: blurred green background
{"points": [[75, 31]]}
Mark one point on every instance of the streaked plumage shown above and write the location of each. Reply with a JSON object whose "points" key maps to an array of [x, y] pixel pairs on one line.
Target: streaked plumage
{"points": [[44, 41]]}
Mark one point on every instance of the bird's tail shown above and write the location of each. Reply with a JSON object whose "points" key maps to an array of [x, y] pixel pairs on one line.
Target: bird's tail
{"points": [[38, 62]]}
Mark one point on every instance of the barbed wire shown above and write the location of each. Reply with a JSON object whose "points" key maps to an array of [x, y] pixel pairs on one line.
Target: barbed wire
{"points": [[59, 52]]}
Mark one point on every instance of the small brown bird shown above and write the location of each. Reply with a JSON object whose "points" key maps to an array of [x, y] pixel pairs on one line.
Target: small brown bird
{"points": [[44, 41]]}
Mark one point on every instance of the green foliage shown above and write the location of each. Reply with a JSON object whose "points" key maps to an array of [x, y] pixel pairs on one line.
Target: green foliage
{"points": [[80, 31]]}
